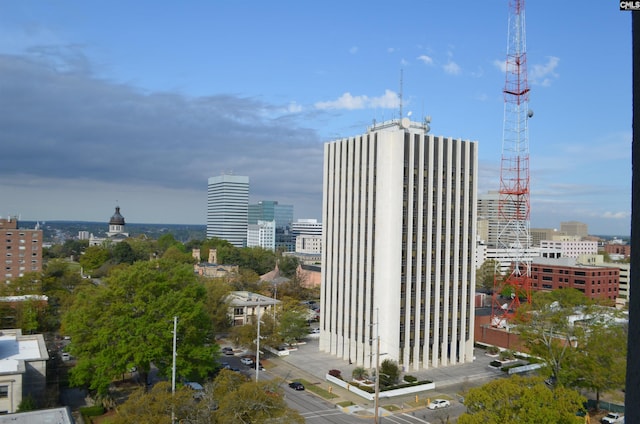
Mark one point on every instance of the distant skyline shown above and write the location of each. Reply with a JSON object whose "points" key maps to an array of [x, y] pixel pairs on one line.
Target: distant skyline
{"points": [[137, 104]]}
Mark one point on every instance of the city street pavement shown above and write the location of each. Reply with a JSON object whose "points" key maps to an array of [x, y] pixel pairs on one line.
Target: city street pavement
{"points": [[312, 365]]}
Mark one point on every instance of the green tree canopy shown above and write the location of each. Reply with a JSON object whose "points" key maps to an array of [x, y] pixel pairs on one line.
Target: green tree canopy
{"points": [[94, 257], [230, 398], [548, 332], [128, 321], [123, 253], [600, 362], [389, 372], [486, 273], [525, 400]]}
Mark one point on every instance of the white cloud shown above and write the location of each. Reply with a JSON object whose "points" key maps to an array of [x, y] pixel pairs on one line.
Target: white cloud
{"points": [[538, 74], [616, 215], [425, 59], [294, 107], [501, 65], [390, 50], [451, 68], [544, 74], [347, 101]]}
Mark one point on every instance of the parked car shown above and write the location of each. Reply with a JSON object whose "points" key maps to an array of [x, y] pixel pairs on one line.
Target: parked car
{"points": [[296, 385], [439, 403], [198, 390], [246, 361], [612, 417], [227, 350]]}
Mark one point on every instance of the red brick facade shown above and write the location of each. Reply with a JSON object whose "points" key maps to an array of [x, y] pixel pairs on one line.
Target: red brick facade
{"points": [[20, 250], [618, 249], [594, 282]]}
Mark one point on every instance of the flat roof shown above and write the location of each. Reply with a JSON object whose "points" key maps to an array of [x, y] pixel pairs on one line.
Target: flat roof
{"points": [[15, 348], [42, 416]]}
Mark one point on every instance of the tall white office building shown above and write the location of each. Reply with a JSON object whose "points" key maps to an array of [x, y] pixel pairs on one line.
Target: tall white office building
{"points": [[228, 208], [398, 247], [262, 234]]}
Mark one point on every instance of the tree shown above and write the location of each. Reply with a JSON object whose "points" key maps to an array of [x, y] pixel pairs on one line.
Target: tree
{"points": [[123, 253], [521, 400], [292, 325], [601, 359], [288, 265], [155, 405], [547, 331], [176, 254], [94, 257], [389, 372], [230, 398], [252, 402], [486, 273], [128, 321], [217, 305]]}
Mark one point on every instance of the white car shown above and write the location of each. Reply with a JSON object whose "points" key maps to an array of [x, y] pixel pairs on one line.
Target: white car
{"points": [[247, 361], [612, 417], [439, 403]]}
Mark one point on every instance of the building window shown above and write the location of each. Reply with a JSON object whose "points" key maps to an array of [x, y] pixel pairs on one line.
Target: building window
{"points": [[4, 391]]}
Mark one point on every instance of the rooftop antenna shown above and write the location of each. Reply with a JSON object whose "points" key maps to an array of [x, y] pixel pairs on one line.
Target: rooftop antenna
{"points": [[401, 88]]}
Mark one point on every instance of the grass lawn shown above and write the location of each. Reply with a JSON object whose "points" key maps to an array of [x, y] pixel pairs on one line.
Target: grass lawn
{"points": [[317, 390]]}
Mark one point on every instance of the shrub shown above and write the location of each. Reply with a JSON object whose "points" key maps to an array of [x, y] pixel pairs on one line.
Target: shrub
{"points": [[410, 379], [507, 354], [335, 373], [493, 350], [92, 411], [359, 373]]}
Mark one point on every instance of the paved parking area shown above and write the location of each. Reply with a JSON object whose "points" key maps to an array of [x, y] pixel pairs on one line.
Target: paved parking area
{"points": [[312, 365]]}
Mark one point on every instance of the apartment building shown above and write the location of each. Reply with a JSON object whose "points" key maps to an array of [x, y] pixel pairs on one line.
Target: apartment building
{"points": [[20, 248]]}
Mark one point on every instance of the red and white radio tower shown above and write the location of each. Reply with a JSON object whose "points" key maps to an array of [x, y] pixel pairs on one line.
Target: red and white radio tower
{"points": [[513, 203]]}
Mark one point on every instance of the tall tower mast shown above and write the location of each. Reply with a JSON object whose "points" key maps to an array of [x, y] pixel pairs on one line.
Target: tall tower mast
{"points": [[513, 203]]}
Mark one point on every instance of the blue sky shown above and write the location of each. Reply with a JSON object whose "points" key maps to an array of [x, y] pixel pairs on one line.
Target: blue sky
{"points": [[138, 103]]}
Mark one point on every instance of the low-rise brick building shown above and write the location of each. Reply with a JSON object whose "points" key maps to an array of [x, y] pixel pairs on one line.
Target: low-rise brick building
{"points": [[596, 282]]}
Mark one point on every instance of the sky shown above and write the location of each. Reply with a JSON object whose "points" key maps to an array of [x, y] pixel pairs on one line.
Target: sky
{"points": [[137, 104]]}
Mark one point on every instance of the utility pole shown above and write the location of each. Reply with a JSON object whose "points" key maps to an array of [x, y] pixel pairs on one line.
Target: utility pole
{"points": [[258, 345], [173, 368]]}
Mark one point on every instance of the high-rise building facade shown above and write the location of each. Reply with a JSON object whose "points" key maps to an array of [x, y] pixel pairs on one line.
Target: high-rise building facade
{"points": [[282, 215], [227, 208], [21, 249], [262, 234], [399, 215], [575, 228], [307, 226]]}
